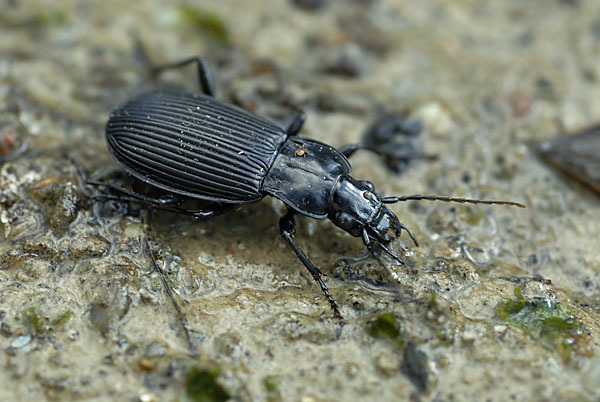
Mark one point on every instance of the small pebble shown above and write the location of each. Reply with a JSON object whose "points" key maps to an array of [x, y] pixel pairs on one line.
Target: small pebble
{"points": [[146, 364], [386, 364], [21, 341], [469, 336]]}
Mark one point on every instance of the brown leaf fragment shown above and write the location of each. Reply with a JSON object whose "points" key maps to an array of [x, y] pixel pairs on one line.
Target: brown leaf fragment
{"points": [[576, 155]]}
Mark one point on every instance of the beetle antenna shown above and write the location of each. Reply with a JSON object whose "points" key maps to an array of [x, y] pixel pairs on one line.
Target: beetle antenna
{"points": [[419, 197]]}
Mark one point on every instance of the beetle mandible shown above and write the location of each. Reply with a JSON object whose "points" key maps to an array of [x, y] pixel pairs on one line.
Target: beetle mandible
{"points": [[195, 146]]}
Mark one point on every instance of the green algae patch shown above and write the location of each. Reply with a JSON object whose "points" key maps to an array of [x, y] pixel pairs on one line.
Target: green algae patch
{"points": [[32, 320], [386, 326], [51, 17], [35, 324], [546, 320], [61, 319], [201, 386], [272, 384], [207, 21]]}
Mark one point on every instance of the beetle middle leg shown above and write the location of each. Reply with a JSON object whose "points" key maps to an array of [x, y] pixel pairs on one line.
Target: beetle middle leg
{"points": [[296, 125], [205, 78], [287, 227], [349, 150]]}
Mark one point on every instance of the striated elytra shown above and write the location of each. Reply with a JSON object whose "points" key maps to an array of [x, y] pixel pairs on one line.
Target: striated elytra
{"points": [[195, 146]]}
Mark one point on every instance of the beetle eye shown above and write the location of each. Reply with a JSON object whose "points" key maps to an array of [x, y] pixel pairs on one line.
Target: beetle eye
{"points": [[344, 220]]}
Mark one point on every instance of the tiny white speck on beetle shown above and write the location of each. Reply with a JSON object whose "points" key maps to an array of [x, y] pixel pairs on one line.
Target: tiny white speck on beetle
{"points": [[240, 153]]}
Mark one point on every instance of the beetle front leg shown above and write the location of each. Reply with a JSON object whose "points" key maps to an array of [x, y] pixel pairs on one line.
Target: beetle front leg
{"points": [[287, 227]]}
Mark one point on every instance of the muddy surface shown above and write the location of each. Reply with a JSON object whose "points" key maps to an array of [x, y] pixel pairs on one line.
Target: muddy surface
{"points": [[497, 303]]}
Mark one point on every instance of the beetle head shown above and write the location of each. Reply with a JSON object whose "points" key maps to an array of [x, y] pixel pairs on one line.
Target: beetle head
{"points": [[356, 208]]}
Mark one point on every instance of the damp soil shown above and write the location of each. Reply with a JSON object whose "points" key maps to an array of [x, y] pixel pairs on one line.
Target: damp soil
{"points": [[496, 303]]}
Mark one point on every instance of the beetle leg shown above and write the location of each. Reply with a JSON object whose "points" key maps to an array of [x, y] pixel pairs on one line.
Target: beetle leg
{"points": [[296, 125], [206, 212], [161, 275], [348, 150], [287, 227], [207, 85], [169, 203]]}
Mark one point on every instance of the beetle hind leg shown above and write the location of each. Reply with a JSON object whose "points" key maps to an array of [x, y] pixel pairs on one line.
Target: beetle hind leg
{"points": [[287, 227], [205, 77], [123, 194], [169, 202]]}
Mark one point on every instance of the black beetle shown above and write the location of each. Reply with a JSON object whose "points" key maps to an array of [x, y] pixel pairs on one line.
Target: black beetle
{"points": [[195, 146]]}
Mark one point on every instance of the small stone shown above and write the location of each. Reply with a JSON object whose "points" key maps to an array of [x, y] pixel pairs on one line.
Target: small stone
{"points": [[352, 369], [146, 364], [415, 366], [21, 341], [155, 349], [436, 118], [386, 364], [149, 398], [468, 336]]}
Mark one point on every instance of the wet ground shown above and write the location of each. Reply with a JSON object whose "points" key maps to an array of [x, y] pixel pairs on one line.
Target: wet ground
{"points": [[497, 303]]}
